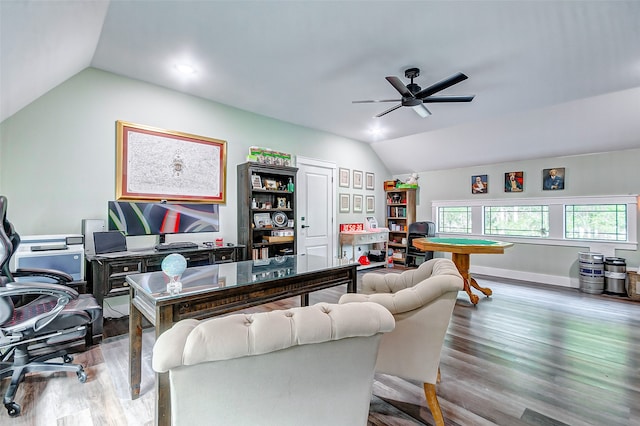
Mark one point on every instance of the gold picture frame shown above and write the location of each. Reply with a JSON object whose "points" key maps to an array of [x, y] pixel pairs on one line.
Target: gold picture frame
{"points": [[155, 164]]}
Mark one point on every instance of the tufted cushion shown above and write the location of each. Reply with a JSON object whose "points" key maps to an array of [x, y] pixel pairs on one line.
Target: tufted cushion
{"points": [[410, 289], [191, 342]]}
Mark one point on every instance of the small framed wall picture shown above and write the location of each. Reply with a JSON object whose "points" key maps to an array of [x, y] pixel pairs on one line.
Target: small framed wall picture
{"points": [[357, 203], [371, 203], [479, 184], [344, 203], [553, 179], [514, 182], [370, 181], [343, 177], [357, 179], [256, 182]]}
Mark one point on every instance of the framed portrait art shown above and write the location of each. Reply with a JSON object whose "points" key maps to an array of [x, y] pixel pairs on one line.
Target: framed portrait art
{"points": [[343, 177], [357, 179], [156, 164], [357, 203], [514, 182], [479, 184], [553, 179], [344, 203]]}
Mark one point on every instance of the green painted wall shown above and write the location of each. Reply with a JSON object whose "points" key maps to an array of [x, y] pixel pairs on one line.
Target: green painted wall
{"points": [[58, 154], [611, 173]]}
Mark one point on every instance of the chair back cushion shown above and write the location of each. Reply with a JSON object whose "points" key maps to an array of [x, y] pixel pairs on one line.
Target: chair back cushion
{"points": [[303, 366]]}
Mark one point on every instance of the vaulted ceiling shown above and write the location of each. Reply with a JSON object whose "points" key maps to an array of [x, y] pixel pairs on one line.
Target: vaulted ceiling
{"points": [[550, 78]]}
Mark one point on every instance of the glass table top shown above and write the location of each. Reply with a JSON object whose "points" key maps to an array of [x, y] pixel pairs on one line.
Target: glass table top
{"points": [[216, 277]]}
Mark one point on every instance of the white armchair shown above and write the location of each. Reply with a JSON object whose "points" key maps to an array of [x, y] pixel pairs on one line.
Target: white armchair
{"points": [[421, 301], [312, 365]]}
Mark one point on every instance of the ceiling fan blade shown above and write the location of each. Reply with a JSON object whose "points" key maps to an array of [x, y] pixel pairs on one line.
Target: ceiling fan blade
{"points": [[400, 87], [421, 110], [453, 98], [441, 85], [388, 111], [372, 101]]}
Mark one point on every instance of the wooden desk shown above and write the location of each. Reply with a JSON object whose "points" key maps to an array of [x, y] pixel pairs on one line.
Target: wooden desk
{"points": [[107, 272], [460, 249], [219, 289]]}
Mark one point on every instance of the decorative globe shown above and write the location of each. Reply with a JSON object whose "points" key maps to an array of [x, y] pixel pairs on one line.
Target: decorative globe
{"points": [[174, 265]]}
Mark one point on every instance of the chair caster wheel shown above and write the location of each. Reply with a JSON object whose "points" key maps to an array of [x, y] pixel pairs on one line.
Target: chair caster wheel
{"points": [[13, 409], [67, 358], [82, 376]]}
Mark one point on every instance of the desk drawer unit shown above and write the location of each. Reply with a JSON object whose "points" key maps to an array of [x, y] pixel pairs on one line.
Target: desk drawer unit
{"points": [[224, 255], [117, 273]]}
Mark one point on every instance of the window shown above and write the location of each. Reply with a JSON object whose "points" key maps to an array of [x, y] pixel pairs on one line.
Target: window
{"points": [[454, 220], [562, 221], [596, 222], [521, 221]]}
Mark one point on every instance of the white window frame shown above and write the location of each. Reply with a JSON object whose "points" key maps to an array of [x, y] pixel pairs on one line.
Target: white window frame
{"points": [[556, 219]]}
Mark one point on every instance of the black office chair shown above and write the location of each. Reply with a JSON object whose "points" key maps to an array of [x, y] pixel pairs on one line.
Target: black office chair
{"points": [[54, 314], [416, 256]]}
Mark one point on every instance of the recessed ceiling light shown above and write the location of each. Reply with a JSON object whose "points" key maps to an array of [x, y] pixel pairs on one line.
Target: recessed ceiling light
{"points": [[376, 132], [185, 69]]}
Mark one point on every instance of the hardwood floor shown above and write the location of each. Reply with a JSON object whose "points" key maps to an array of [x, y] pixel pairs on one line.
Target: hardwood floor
{"points": [[528, 355]]}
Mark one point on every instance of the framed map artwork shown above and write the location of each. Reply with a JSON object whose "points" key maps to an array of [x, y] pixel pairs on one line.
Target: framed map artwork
{"points": [[156, 164]]}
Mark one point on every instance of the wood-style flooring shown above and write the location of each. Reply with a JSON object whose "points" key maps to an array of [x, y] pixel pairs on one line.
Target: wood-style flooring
{"points": [[528, 355]]}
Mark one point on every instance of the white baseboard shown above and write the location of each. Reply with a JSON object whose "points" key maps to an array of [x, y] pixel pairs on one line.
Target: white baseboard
{"points": [[557, 280]]}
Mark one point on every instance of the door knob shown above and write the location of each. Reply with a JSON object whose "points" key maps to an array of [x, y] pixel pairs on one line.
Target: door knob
{"points": [[305, 226]]}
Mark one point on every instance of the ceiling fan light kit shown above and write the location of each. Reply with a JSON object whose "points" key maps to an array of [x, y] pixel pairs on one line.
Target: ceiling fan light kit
{"points": [[415, 97]]}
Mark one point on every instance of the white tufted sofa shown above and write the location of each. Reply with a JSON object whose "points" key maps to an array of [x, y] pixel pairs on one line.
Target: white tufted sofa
{"points": [[312, 365], [421, 300]]}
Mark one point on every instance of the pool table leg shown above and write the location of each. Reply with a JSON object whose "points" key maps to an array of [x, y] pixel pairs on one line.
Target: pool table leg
{"points": [[461, 261]]}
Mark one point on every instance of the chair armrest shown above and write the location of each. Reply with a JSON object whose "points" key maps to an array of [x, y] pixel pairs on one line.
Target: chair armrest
{"points": [[374, 282], [62, 294], [34, 288], [53, 274], [410, 298]]}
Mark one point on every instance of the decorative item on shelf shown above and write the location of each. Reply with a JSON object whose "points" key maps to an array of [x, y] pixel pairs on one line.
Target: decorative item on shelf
{"points": [[279, 219], [282, 202], [256, 182], [269, 156], [174, 266], [270, 184], [412, 182], [262, 220], [290, 186], [350, 227]]}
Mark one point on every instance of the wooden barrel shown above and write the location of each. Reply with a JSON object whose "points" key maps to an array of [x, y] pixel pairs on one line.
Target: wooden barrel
{"points": [[591, 272]]}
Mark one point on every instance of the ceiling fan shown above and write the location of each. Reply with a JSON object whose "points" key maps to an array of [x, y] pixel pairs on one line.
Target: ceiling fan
{"points": [[415, 97]]}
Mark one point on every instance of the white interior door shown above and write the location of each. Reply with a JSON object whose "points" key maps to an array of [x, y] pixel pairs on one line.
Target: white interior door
{"points": [[316, 208]]}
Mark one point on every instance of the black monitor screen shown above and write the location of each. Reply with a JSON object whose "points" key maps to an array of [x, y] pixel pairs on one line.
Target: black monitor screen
{"points": [[136, 218], [109, 242]]}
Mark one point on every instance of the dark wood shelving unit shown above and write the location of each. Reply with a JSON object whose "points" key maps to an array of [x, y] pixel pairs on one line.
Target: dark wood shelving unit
{"points": [[260, 240]]}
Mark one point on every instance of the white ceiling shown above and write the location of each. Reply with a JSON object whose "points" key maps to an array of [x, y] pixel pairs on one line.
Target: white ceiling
{"points": [[551, 78]]}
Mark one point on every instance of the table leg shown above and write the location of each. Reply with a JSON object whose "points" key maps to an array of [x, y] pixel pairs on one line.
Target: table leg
{"points": [[135, 349], [461, 261], [164, 321]]}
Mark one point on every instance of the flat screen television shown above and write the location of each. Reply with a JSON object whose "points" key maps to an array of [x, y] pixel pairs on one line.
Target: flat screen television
{"points": [[138, 218]]}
